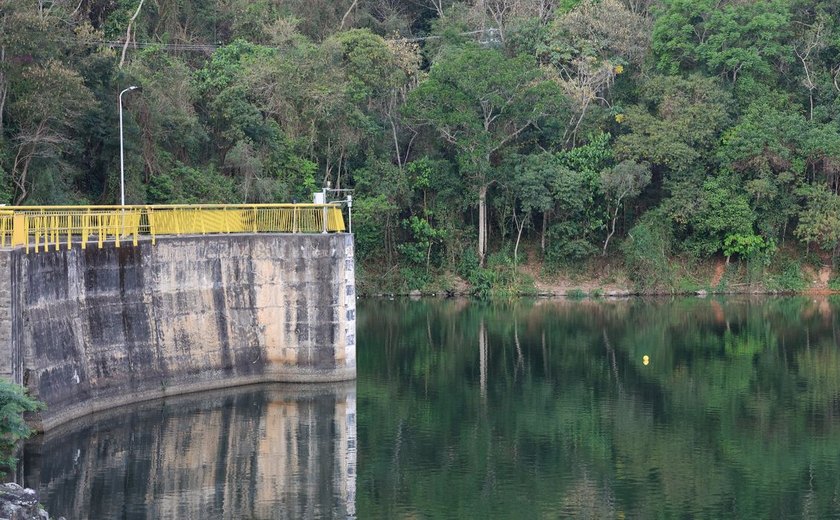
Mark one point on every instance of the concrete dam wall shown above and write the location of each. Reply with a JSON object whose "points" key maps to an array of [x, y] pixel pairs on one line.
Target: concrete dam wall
{"points": [[88, 329]]}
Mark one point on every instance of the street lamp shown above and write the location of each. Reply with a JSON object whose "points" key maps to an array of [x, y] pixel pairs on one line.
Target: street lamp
{"points": [[122, 153]]}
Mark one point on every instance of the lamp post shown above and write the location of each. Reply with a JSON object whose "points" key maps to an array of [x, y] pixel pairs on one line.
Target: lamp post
{"points": [[122, 153]]}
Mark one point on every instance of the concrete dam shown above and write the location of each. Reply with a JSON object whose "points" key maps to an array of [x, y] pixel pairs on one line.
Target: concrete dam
{"points": [[89, 328]]}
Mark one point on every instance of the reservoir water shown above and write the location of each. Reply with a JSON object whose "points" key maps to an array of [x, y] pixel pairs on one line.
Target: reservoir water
{"points": [[667, 408]]}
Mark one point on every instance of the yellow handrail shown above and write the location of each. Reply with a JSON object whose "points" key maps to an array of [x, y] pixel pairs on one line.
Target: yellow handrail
{"points": [[6, 219], [43, 227]]}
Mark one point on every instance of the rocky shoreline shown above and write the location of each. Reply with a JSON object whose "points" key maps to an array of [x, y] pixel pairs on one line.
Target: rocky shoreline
{"points": [[20, 503]]}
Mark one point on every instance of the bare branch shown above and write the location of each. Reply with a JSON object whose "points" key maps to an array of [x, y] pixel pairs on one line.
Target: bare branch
{"points": [[510, 137], [128, 32], [349, 10]]}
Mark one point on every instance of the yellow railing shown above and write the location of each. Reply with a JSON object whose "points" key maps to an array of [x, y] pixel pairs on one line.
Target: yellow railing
{"points": [[5, 228], [43, 227]]}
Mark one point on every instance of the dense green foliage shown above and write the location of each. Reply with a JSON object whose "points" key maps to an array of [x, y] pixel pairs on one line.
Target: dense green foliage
{"points": [[13, 403], [532, 129]]}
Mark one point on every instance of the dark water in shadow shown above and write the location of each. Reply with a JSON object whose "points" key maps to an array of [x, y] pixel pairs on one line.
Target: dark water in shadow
{"points": [[255, 452], [539, 409]]}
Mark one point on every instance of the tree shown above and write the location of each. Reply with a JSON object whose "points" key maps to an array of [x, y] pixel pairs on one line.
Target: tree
{"points": [[766, 150], [255, 144], [424, 236], [481, 102], [49, 101], [676, 125], [380, 74], [814, 40], [337, 103], [531, 187], [437, 6], [578, 211], [169, 124], [624, 181], [819, 220], [708, 211], [730, 38], [224, 95], [589, 46]]}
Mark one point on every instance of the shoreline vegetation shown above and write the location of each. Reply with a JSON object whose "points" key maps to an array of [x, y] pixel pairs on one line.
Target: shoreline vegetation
{"points": [[608, 278]]}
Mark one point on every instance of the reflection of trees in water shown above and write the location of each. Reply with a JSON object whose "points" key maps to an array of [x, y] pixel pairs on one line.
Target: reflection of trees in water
{"points": [[256, 452], [736, 414]]}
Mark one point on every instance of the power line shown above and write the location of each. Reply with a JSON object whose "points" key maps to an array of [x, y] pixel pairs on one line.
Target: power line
{"points": [[209, 47]]}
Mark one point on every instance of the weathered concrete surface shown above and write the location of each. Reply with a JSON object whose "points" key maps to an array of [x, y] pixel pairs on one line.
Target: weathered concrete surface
{"points": [[5, 316], [88, 329]]}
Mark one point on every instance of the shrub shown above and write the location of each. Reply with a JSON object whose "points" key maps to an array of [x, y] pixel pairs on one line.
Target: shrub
{"points": [[467, 264], [789, 279], [13, 404], [646, 252], [576, 294], [414, 277], [483, 281]]}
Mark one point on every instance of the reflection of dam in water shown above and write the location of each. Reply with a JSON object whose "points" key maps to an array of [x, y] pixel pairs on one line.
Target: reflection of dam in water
{"points": [[275, 451]]}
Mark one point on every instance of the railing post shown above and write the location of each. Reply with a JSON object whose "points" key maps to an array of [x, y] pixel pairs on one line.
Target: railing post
{"points": [[18, 229], [116, 226], [151, 219], [350, 213], [85, 228], [325, 219]]}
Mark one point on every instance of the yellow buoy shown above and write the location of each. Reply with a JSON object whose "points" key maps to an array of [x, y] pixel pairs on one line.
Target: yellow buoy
{"points": [[645, 359]]}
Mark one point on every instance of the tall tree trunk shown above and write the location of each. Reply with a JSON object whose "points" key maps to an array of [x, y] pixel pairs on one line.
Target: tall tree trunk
{"points": [[482, 224], [350, 10], [396, 143], [392, 103], [611, 233], [3, 88], [542, 235], [20, 167], [22, 176], [520, 225], [128, 33], [428, 256]]}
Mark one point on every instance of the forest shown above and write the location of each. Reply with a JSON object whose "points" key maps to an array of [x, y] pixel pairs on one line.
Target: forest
{"points": [[646, 139]]}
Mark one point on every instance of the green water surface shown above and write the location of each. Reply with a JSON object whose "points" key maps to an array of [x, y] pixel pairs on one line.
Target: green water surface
{"points": [[534, 409], [546, 409]]}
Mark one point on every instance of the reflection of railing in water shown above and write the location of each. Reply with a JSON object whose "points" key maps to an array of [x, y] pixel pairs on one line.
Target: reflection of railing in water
{"points": [[42, 227]]}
